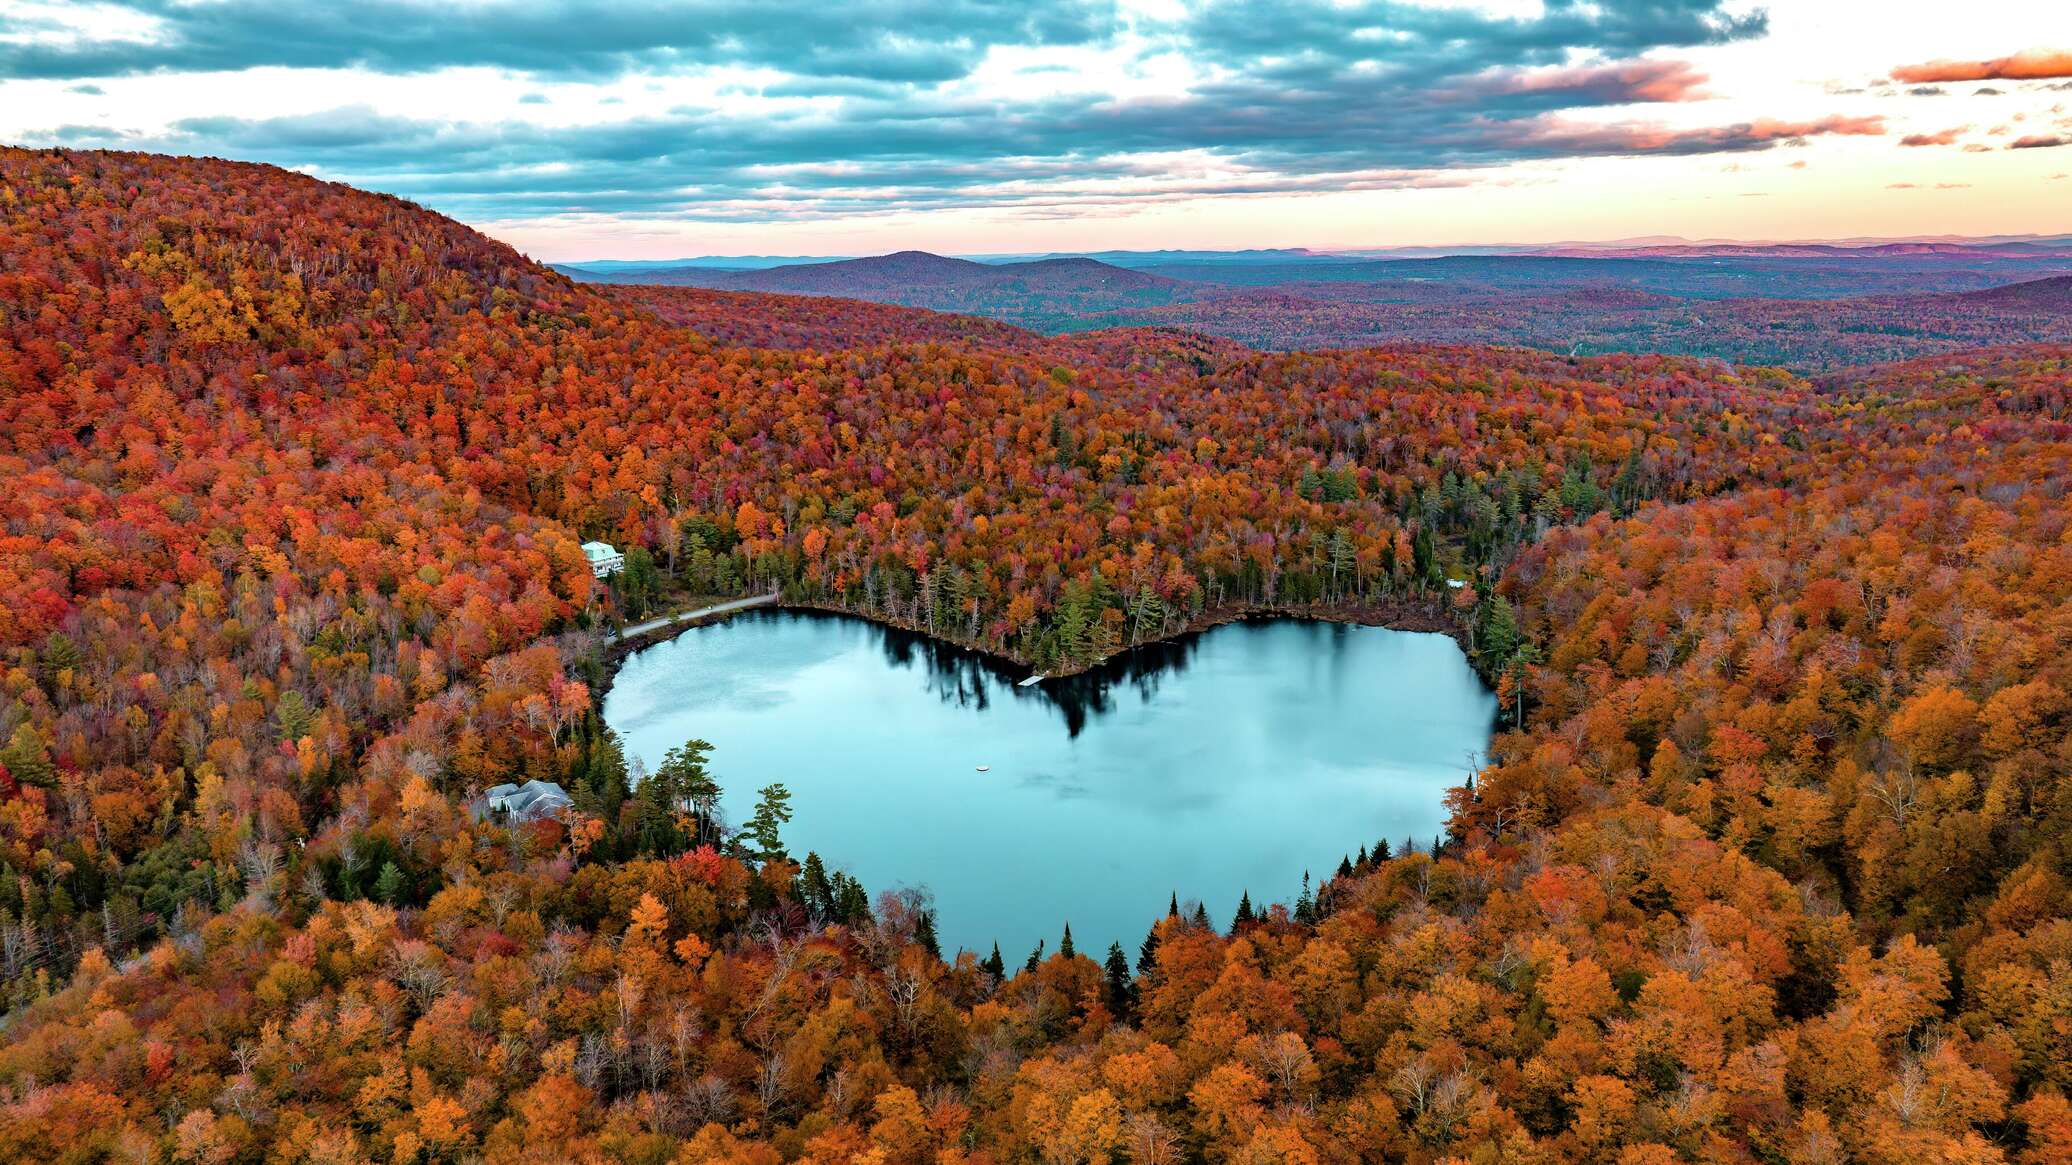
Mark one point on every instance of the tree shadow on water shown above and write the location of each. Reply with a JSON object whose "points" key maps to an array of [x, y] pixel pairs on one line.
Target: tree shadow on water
{"points": [[965, 678]]}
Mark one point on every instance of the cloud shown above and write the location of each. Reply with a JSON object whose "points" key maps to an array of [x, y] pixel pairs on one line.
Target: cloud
{"points": [[2039, 142], [1282, 96], [1560, 137], [1946, 137], [1617, 83], [881, 39], [2029, 65]]}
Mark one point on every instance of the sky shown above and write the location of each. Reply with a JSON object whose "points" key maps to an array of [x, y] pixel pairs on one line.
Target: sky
{"points": [[629, 129]]}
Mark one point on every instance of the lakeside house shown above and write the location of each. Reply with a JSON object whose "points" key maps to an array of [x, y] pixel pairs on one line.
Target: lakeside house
{"points": [[605, 559], [530, 801]]}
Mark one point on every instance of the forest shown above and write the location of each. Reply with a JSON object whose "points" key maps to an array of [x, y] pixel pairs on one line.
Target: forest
{"points": [[1814, 313], [1768, 864]]}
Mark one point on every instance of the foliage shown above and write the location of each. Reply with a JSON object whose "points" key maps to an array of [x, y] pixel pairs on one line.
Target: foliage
{"points": [[1771, 864]]}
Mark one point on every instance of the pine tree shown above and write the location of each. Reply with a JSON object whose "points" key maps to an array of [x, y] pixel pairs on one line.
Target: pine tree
{"points": [[1173, 907], [1305, 906], [1065, 949], [814, 889], [1381, 851], [852, 904], [772, 811], [994, 965], [388, 885], [26, 757], [1147, 955], [1201, 917], [924, 934], [683, 782], [1121, 989], [604, 787], [1244, 912], [59, 654], [1035, 957], [1345, 867]]}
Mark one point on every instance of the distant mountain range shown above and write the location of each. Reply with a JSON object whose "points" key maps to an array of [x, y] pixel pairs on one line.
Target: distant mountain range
{"points": [[1044, 293], [2009, 246], [1810, 306]]}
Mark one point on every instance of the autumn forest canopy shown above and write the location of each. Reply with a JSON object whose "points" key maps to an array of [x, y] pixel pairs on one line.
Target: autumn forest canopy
{"points": [[1770, 861]]}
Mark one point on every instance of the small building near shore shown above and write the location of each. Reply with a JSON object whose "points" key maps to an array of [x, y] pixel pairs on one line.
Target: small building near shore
{"points": [[605, 559], [531, 801]]}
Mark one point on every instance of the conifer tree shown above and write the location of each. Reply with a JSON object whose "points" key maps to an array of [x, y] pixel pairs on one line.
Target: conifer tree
{"points": [[772, 811], [1244, 912], [924, 934], [1121, 989]]}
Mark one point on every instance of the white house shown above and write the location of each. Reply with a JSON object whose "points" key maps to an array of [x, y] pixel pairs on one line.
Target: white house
{"points": [[605, 560]]}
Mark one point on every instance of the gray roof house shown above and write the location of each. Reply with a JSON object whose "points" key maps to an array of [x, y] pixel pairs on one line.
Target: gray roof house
{"points": [[530, 801]]}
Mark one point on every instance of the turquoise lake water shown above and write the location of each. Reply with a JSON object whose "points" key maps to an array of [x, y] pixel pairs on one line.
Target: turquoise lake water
{"points": [[1228, 761]]}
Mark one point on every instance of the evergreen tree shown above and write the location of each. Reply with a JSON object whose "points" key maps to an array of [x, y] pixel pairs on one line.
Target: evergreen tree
{"points": [[26, 757], [1121, 989], [772, 811], [59, 654], [1173, 907], [1305, 906], [1345, 867], [1381, 851], [994, 965], [1147, 955], [924, 934], [814, 889], [1035, 957], [686, 784], [603, 787], [388, 886], [679, 784], [1065, 948], [1244, 912], [1201, 917], [852, 904], [1497, 632]]}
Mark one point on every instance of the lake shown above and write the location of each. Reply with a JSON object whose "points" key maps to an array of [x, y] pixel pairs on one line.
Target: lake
{"points": [[1227, 761]]}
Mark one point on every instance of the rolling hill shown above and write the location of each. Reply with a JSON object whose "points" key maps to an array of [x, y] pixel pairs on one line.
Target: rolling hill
{"points": [[1767, 860], [1812, 308], [1041, 293]]}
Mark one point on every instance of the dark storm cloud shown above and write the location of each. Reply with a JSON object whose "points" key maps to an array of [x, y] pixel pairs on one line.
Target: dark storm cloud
{"points": [[1304, 95]]}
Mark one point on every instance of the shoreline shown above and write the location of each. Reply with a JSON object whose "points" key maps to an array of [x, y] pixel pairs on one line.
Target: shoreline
{"points": [[1422, 616]]}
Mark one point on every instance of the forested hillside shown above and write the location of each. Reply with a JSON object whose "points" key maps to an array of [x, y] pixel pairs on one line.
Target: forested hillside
{"points": [[1806, 335], [1769, 864], [1810, 309]]}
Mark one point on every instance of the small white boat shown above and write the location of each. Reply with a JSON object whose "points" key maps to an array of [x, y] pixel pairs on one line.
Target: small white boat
{"points": [[1031, 681], [985, 768]]}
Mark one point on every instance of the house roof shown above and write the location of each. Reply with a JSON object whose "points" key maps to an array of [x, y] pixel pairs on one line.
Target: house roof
{"points": [[529, 799]]}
